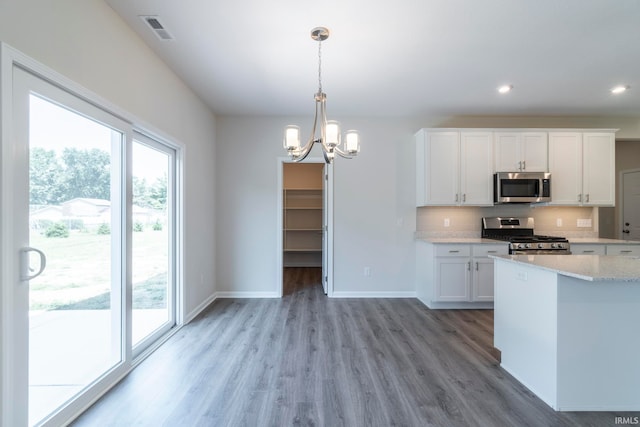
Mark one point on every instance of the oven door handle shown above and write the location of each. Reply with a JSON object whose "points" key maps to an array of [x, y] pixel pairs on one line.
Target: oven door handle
{"points": [[541, 252]]}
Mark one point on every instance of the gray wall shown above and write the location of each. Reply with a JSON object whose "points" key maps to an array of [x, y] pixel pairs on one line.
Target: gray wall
{"points": [[375, 213]]}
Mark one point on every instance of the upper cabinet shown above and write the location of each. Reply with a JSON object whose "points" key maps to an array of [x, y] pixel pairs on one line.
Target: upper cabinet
{"points": [[521, 151], [582, 166], [454, 167]]}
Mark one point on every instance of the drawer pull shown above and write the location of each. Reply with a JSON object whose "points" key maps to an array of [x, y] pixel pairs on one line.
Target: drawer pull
{"points": [[491, 252], [588, 252], [625, 252], [453, 252]]}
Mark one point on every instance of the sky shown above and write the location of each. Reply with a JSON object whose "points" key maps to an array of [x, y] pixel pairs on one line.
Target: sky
{"points": [[53, 127]]}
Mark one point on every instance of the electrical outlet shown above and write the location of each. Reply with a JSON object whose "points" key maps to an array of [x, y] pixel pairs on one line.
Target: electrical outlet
{"points": [[367, 272], [522, 275], [584, 222], [559, 222], [447, 222]]}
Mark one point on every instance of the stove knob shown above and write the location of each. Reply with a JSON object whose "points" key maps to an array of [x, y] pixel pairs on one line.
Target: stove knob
{"points": [[554, 246], [540, 245], [520, 245], [560, 246], [528, 246]]}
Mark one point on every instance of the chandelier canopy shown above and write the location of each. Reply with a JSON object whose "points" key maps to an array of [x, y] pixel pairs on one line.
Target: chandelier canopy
{"points": [[330, 138]]}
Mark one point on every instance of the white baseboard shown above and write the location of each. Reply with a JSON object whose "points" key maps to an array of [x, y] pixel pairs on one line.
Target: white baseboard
{"points": [[204, 304], [406, 294], [233, 294]]}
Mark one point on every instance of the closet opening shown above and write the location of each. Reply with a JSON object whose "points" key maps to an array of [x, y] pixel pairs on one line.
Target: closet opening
{"points": [[304, 227]]}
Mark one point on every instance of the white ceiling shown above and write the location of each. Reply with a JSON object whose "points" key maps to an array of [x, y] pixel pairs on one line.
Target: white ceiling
{"points": [[402, 58]]}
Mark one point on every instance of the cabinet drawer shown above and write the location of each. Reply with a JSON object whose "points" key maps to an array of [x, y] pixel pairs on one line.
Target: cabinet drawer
{"points": [[453, 250], [486, 250], [588, 249], [623, 249]]}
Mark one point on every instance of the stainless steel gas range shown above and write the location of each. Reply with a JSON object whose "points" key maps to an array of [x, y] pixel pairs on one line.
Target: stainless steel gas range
{"points": [[522, 240]]}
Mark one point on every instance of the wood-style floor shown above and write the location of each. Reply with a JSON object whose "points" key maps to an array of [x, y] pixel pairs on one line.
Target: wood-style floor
{"points": [[306, 359]]}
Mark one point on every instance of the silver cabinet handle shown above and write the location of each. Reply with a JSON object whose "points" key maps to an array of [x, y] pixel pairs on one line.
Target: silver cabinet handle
{"points": [[456, 198], [25, 269], [520, 165], [491, 252], [464, 197], [587, 252], [453, 252], [580, 198], [469, 266], [587, 200], [476, 266], [625, 252], [524, 165]]}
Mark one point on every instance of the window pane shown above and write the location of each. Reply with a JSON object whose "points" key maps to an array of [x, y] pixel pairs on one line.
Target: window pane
{"points": [[150, 241], [75, 316]]}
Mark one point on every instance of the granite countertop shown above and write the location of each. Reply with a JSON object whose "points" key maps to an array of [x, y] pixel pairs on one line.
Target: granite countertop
{"points": [[595, 268], [479, 240], [453, 240], [602, 241]]}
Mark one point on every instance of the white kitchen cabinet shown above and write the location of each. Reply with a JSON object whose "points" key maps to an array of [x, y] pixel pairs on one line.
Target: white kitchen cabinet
{"points": [[599, 165], [582, 166], [456, 275], [628, 250], [437, 167], [521, 151], [452, 279], [454, 168], [482, 270], [588, 249]]}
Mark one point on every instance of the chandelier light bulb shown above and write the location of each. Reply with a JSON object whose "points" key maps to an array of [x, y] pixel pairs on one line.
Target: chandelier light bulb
{"points": [[292, 138], [352, 142], [332, 133]]}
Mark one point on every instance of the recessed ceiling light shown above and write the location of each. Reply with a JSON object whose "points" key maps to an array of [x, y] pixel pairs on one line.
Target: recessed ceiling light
{"points": [[505, 88], [620, 89]]}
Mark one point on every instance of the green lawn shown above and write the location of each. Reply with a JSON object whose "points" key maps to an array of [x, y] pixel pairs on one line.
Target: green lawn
{"points": [[78, 273]]}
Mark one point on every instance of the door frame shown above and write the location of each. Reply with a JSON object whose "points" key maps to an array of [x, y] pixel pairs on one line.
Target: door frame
{"points": [[327, 207], [620, 207], [9, 258]]}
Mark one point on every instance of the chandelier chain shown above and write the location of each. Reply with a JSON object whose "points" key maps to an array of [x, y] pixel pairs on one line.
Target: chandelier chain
{"points": [[319, 66]]}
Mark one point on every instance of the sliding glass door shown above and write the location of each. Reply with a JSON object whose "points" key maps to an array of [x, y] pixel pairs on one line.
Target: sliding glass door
{"points": [[93, 219], [153, 269]]}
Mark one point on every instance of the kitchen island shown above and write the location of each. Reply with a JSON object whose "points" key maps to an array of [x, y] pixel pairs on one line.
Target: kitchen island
{"points": [[568, 328]]}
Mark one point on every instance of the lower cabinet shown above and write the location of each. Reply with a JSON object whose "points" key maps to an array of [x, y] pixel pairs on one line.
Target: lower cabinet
{"points": [[456, 275], [629, 250], [604, 249], [588, 249]]}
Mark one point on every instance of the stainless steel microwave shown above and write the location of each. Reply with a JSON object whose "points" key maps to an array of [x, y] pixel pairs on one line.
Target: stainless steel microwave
{"points": [[521, 187]]}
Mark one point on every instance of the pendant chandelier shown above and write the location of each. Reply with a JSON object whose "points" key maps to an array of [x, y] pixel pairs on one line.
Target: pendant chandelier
{"points": [[329, 138]]}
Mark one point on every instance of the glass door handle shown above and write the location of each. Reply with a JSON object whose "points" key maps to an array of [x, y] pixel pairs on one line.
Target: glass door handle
{"points": [[26, 272]]}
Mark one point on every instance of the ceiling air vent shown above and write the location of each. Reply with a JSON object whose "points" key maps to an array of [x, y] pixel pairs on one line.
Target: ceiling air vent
{"points": [[158, 28]]}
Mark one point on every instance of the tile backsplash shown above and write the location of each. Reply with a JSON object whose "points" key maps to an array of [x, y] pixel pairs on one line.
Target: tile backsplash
{"points": [[466, 221]]}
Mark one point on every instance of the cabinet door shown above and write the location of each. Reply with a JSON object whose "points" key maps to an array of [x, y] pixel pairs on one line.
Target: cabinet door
{"points": [[440, 161], [507, 152], [565, 165], [521, 151], [476, 168], [452, 279], [598, 183], [482, 279], [534, 148]]}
